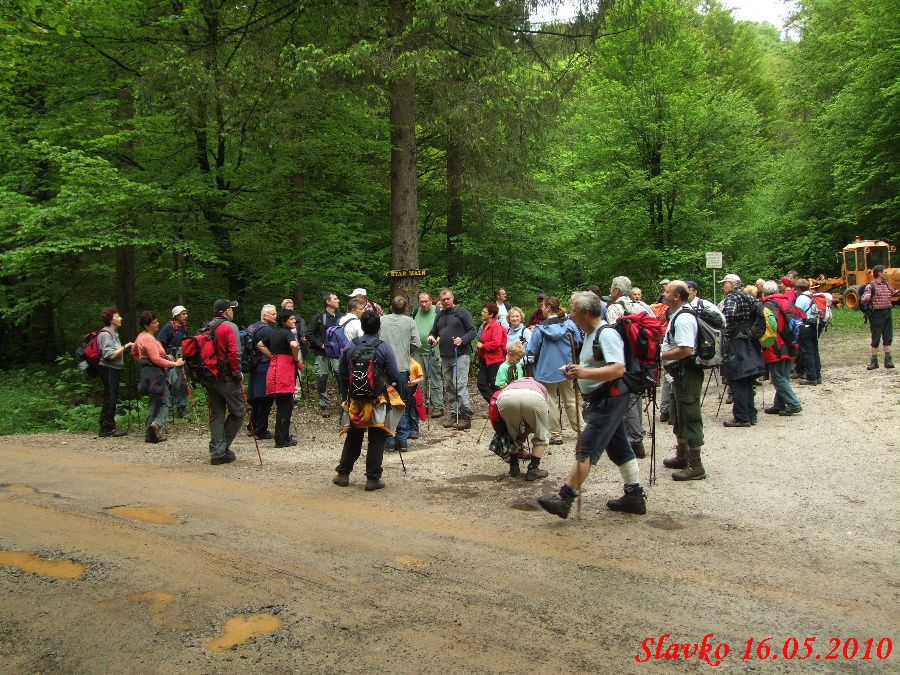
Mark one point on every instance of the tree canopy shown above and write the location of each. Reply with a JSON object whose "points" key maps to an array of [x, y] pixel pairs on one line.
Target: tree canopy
{"points": [[154, 154]]}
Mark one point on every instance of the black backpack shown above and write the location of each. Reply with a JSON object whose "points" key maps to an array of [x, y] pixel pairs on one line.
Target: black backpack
{"points": [[366, 379], [250, 355]]}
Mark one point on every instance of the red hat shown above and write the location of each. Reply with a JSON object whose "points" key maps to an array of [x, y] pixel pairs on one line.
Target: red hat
{"points": [[787, 282]]}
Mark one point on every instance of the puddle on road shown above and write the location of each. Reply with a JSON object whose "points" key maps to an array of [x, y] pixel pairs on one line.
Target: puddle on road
{"points": [[523, 504], [241, 629], [156, 516], [19, 489], [665, 523], [410, 561], [157, 601], [476, 478], [27, 562]]}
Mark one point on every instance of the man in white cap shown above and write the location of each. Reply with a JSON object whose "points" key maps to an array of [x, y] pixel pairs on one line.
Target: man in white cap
{"points": [[369, 305], [171, 336]]}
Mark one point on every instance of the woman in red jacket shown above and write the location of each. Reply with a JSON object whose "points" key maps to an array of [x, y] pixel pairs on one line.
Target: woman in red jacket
{"points": [[491, 348], [283, 350]]}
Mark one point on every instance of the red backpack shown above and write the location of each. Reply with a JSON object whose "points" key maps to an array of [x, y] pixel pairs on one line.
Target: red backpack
{"points": [[201, 355], [87, 354], [642, 336]]}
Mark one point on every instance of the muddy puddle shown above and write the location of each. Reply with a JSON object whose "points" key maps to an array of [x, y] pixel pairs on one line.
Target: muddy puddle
{"points": [[19, 489], [156, 516], [157, 601], [243, 628], [45, 567], [411, 561], [664, 523]]}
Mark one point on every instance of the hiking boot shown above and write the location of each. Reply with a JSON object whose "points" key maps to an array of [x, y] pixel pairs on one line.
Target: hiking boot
{"points": [[736, 423], [679, 461], [464, 423], [772, 410], [265, 435], [402, 447], [374, 484], [664, 416], [227, 458], [450, 423], [413, 436], [809, 382], [437, 413], [556, 441], [341, 479], [796, 375], [694, 470], [514, 470], [638, 448], [729, 399], [154, 434], [115, 433], [873, 363], [290, 444], [888, 360], [556, 504], [535, 473], [633, 501], [789, 411]]}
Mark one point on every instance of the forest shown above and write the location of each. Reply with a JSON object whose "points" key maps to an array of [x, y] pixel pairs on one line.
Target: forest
{"points": [[162, 152]]}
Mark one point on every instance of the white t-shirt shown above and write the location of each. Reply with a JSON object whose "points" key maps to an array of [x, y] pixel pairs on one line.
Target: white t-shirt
{"points": [[684, 333], [352, 326], [613, 352]]}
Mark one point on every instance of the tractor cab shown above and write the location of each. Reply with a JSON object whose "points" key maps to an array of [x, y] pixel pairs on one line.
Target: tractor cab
{"points": [[861, 256]]}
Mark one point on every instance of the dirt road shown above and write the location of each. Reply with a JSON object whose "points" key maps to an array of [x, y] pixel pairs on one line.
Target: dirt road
{"points": [[450, 569]]}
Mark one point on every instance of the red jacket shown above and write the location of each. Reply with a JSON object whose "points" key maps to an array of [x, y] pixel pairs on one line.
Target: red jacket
{"points": [[780, 351], [281, 377], [227, 347], [493, 343]]}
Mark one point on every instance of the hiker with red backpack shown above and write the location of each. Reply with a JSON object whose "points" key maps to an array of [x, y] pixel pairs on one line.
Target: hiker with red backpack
{"points": [[369, 368], [621, 304], [780, 353], [678, 358], [224, 383], [600, 374], [110, 359]]}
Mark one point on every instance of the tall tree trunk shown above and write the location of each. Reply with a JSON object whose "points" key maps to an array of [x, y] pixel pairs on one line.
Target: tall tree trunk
{"points": [[454, 209], [404, 201], [125, 291]]}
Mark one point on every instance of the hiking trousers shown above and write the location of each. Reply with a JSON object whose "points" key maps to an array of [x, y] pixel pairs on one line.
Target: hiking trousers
{"points": [[605, 430], [780, 374], [434, 390], [353, 448], [634, 418], [809, 342], [687, 386], [226, 407], [524, 405], [110, 378], [881, 324], [456, 385], [325, 367], [562, 397], [744, 409]]}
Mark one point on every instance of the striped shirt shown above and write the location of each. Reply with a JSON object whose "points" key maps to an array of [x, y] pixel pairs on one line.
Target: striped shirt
{"points": [[883, 294]]}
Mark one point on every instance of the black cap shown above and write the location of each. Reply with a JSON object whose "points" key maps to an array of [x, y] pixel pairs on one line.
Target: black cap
{"points": [[693, 284], [221, 305]]}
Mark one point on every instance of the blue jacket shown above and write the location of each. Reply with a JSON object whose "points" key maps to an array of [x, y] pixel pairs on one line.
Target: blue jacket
{"points": [[549, 345]]}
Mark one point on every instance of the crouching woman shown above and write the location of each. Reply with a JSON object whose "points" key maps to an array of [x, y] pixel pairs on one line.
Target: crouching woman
{"points": [[524, 406], [155, 363]]}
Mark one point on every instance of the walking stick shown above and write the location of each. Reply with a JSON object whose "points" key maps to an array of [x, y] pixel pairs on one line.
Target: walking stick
{"points": [[577, 419], [482, 431], [721, 398], [252, 423], [708, 380], [428, 366], [456, 380]]}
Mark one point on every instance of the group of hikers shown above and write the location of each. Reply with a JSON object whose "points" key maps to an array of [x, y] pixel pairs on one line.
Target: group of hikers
{"points": [[597, 361]]}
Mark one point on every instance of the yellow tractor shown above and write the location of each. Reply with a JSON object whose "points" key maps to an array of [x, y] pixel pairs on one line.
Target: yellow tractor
{"points": [[858, 259]]}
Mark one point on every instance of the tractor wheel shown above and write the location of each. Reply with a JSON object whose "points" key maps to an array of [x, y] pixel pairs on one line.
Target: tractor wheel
{"points": [[851, 299]]}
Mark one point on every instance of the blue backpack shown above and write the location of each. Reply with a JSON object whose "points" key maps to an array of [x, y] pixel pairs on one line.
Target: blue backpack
{"points": [[250, 355], [335, 341]]}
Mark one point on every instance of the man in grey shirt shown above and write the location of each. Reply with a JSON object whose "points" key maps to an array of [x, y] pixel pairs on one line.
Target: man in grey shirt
{"points": [[401, 333]]}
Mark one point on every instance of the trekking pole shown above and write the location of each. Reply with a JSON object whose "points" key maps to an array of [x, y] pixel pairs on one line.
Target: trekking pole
{"points": [[652, 477], [456, 380], [191, 400], [577, 420], [720, 399], [708, 380], [252, 423], [428, 365], [482, 431]]}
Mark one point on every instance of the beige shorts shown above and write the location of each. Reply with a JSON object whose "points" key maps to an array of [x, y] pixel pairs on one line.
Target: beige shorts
{"points": [[524, 405]]}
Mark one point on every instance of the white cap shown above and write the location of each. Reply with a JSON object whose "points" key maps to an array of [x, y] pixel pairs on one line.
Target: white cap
{"points": [[358, 291], [178, 309], [731, 277]]}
